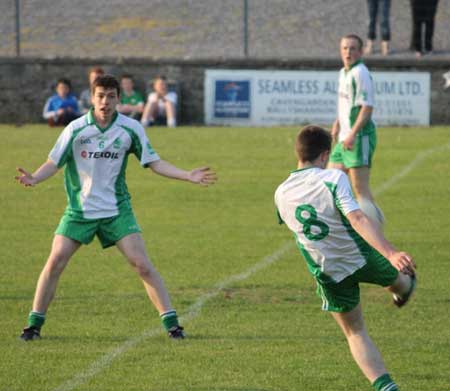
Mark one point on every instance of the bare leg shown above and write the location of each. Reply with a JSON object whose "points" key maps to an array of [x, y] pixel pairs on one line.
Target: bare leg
{"points": [[62, 250], [359, 177], [369, 47], [385, 48], [363, 350], [337, 166], [154, 110], [145, 119], [132, 246], [171, 114], [150, 113]]}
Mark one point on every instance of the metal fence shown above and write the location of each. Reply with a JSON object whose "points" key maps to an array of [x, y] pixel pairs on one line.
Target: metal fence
{"points": [[197, 28]]}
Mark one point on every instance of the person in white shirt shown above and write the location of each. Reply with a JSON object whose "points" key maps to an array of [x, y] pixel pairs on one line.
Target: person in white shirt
{"points": [[161, 106], [342, 247], [354, 131], [94, 150]]}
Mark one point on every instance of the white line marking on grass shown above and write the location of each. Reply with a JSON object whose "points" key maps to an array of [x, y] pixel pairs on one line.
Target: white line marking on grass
{"points": [[409, 167], [193, 310]]}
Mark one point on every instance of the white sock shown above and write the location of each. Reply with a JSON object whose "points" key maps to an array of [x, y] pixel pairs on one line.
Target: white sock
{"points": [[171, 122]]}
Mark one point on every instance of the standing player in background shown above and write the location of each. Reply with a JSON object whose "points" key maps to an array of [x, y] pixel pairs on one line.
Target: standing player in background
{"points": [[342, 247], [354, 131], [94, 150]]}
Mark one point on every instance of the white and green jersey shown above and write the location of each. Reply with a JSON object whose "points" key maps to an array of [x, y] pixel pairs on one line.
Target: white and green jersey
{"points": [[355, 90], [96, 160], [313, 203]]}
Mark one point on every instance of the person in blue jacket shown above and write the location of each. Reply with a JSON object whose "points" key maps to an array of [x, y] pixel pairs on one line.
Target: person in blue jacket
{"points": [[62, 107]]}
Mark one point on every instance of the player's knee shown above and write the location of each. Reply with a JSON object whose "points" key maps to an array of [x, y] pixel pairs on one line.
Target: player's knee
{"points": [[56, 263], [352, 326], [145, 272], [142, 266], [356, 330]]}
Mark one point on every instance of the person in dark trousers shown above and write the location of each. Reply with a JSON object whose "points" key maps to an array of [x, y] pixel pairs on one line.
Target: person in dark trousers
{"points": [[378, 8], [423, 15]]}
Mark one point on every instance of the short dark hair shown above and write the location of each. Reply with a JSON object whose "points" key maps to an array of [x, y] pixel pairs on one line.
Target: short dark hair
{"points": [[355, 37], [65, 81], [311, 142], [106, 81]]}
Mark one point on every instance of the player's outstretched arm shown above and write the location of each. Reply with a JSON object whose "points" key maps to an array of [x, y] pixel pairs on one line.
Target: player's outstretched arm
{"points": [[44, 172], [372, 234], [203, 176]]}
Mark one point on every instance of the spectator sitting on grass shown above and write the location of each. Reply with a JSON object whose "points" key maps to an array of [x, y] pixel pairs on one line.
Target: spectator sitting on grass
{"points": [[161, 105], [62, 107], [131, 101]]}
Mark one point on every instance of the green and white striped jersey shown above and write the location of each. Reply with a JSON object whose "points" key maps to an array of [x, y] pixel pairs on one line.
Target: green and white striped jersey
{"points": [[355, 90], [95, 161], [313, 203]]}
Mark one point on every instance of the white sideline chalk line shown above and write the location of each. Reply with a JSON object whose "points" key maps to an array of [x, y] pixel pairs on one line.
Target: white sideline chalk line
{"points": [[194, 309], [409, 167]]}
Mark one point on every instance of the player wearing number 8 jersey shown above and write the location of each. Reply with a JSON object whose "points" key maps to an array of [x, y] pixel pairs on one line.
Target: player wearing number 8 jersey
{"points": [[341, 246]]}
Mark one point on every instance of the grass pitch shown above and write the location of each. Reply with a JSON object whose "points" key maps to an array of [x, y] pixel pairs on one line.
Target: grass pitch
{"points": [[263, 331]]}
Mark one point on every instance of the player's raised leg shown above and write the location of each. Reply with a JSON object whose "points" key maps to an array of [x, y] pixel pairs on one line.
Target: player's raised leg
{"points": [[403, 288], [363, 350], [133, 248], [62, 250]]}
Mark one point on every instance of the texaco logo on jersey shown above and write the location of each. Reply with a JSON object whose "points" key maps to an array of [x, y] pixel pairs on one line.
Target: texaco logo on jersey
{"points": [[99, 155]]}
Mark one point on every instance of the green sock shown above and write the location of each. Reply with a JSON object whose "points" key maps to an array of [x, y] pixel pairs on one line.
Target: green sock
{"points": [[36, 319], [169, 319], [385, 383]]}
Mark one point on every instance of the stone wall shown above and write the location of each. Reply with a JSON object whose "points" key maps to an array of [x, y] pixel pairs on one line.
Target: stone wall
{"points": [[25, 83]]}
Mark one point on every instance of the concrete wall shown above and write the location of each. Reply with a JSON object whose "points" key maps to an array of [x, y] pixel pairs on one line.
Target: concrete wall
{"points": [[25, 83]]}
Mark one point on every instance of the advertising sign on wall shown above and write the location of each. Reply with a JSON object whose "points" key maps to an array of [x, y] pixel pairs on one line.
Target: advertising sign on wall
{"points": [[265, 98]]}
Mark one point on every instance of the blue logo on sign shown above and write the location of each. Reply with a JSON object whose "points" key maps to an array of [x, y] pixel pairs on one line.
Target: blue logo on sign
{"points": [[232, 99]]}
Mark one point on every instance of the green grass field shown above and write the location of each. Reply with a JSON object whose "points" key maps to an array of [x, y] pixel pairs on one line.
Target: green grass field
{"points": [[259, 331]]}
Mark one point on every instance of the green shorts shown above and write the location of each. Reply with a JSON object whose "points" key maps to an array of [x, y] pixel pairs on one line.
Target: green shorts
{"points": [[360, 155], [109, 230], [344, 296]]}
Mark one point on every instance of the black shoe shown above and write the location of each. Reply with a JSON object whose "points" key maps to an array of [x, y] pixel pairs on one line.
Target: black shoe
{"points": [[30, 333], [400, 301], [176, 332]]}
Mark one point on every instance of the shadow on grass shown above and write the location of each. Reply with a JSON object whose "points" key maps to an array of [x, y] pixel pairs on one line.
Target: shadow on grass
{"points": [[79, 339]]}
